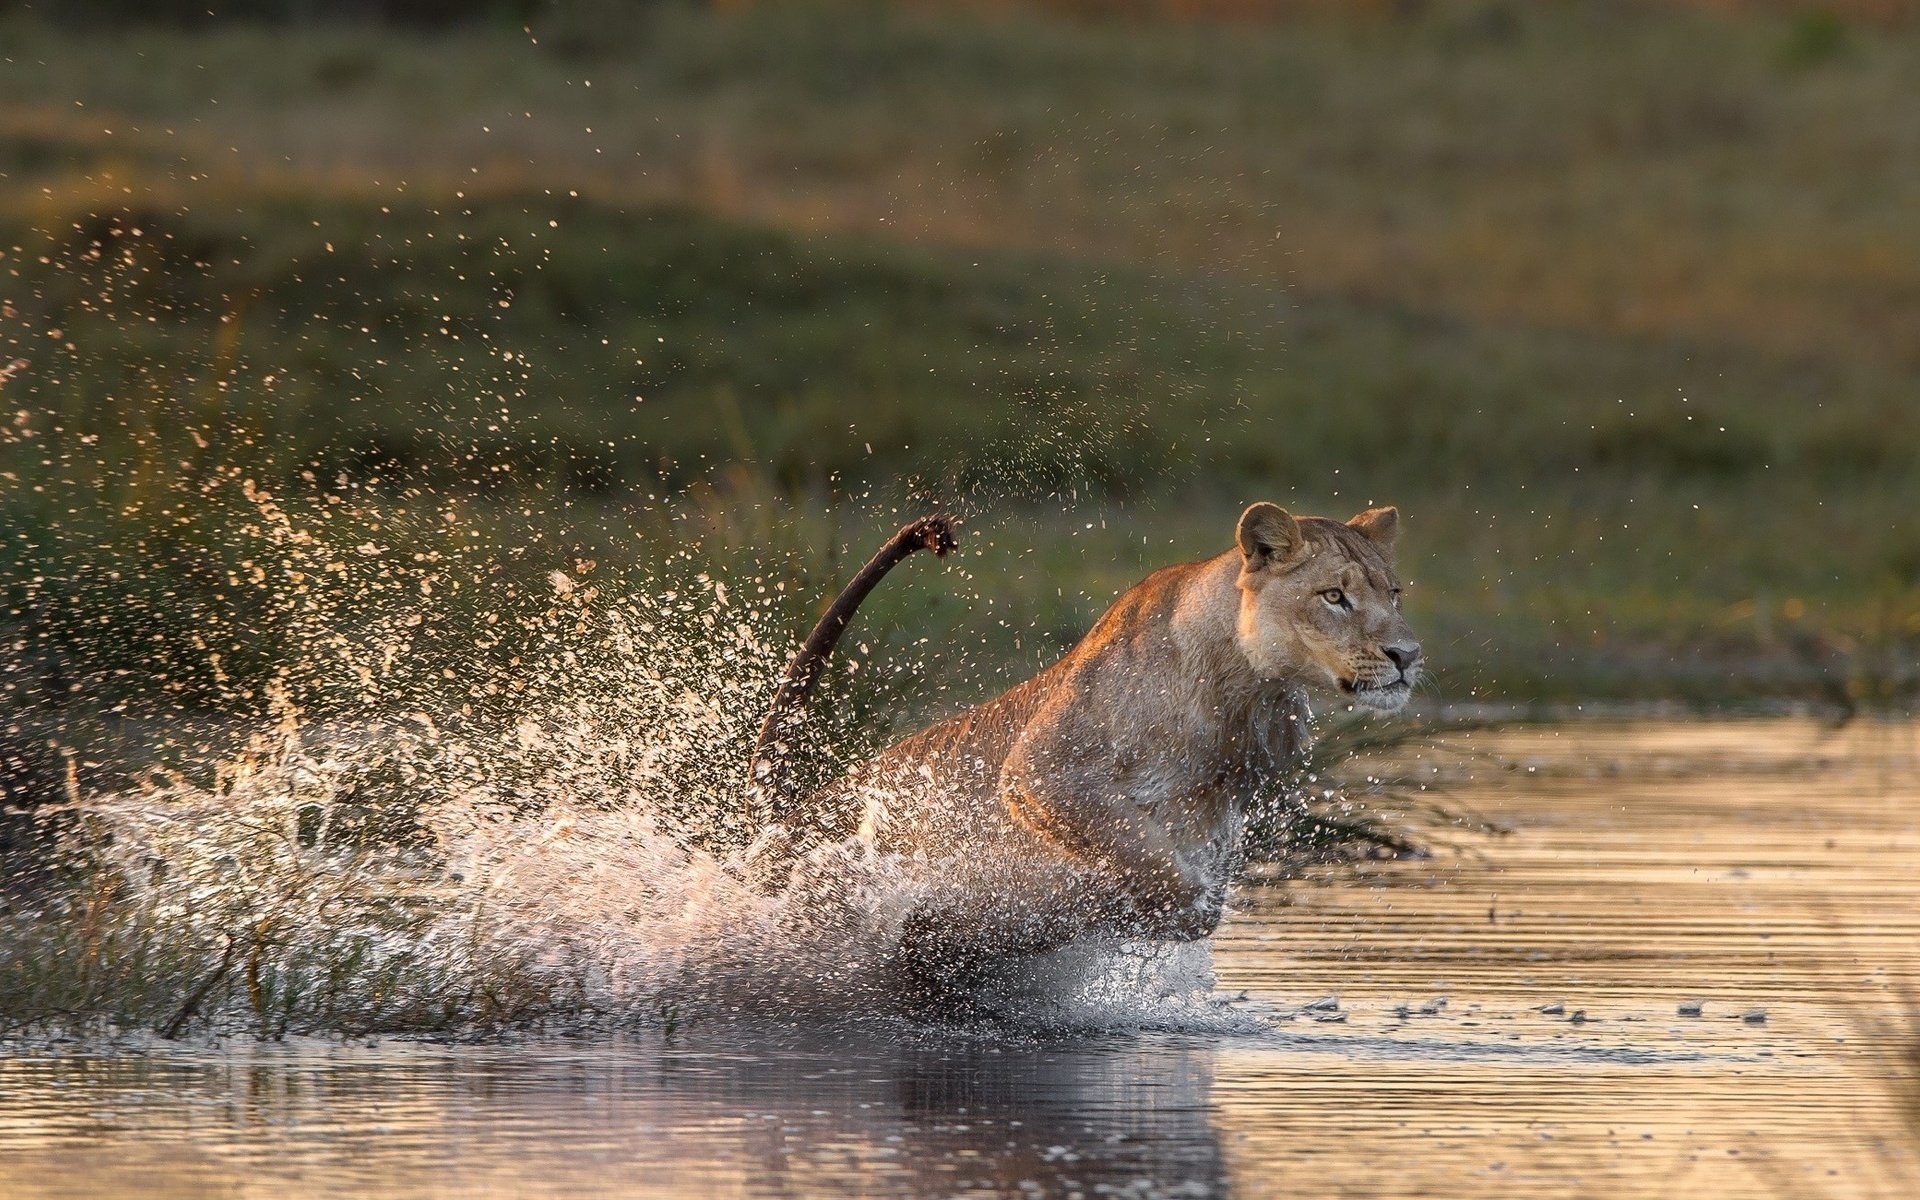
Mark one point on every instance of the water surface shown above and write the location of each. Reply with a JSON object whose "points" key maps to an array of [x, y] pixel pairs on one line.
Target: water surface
{"points": [[1506, 1021]]}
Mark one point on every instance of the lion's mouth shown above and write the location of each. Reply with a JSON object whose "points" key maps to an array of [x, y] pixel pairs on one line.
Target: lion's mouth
{"points": [[1389, 695]]}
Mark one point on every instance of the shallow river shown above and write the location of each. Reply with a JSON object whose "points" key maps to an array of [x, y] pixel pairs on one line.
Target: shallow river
{"points": [[1508, 1022]]}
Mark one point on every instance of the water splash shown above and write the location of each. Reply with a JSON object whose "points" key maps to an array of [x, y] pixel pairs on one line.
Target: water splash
{"points": [[289, 898], [542, 841]]}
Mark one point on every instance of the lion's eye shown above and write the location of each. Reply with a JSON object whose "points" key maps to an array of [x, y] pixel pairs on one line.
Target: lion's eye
{"points": [[1335, 597]]}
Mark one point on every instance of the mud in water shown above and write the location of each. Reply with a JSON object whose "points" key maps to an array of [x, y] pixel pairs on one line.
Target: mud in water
{"points": [[1512, 1019]]}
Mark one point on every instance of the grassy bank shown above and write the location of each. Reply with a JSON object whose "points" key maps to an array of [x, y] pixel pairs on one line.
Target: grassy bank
{"points": [[1614, 303]]}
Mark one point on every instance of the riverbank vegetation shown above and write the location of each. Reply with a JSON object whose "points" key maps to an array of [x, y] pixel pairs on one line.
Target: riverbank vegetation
{"points": [[1615, 303]]}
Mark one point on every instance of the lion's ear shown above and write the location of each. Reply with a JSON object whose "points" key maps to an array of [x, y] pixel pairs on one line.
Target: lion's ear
{"points": [[1381, 525], [1268, 534]]}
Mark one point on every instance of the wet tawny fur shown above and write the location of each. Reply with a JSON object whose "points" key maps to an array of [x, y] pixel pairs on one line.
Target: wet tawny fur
{"points": [[1107, 793]]}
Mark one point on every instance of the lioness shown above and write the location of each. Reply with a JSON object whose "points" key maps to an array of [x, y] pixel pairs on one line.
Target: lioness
{"points": [[1107, 793]]}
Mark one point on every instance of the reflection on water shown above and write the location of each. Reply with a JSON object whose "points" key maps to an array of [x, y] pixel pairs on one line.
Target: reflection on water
{"points": [[1508, 1023], [762, 1112]]}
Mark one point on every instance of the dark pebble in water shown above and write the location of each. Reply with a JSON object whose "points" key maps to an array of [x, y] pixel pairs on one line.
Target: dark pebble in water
{"points": [[1757, 1016], [1691, 1008]]}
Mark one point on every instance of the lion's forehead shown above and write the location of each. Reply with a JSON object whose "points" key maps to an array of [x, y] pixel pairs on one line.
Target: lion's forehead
{"points": [[1349, 568]]}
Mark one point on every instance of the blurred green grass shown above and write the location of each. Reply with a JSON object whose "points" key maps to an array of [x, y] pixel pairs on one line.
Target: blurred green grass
{"points": [[1618, 303]]}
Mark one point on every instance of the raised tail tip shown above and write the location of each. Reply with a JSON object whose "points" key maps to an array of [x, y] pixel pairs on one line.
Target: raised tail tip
{"points": [[938, 532]]}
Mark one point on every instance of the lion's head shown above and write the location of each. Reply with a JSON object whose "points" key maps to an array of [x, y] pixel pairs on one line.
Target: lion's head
{"points": [[1319, 602]]}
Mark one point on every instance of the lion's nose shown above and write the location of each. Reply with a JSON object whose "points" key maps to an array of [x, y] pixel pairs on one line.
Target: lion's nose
{"points": [[1403, 655]]}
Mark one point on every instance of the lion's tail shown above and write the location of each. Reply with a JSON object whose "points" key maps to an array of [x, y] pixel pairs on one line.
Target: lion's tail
{"points": [[768, 781]]}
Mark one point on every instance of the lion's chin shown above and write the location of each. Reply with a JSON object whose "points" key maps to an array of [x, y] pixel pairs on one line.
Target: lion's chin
{"points": [[1387, 697]]}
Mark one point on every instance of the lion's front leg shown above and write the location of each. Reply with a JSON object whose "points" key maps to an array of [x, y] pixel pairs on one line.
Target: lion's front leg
{"points": [[1134, 882], [976, 918], [1178, 908]]}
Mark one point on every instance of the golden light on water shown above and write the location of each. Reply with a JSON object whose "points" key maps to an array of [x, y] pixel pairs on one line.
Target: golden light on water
{"points": [[1508, 1015]]}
